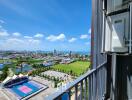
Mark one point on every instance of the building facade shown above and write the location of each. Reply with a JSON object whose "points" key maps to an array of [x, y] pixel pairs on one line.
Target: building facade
{"points": [[111, 43]]}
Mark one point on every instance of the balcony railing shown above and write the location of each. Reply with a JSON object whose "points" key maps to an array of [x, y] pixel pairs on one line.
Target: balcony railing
{"points": [[90, 86]]}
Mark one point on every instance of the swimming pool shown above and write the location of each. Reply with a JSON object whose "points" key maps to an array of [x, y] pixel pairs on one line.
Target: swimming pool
{"points": [[25, 89]]}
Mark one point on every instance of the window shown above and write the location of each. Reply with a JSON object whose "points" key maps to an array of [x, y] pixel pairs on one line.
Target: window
{"points": [[115, 5]]}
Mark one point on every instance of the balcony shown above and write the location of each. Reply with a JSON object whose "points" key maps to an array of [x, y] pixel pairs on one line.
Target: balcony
{"points": [[86, 87]]}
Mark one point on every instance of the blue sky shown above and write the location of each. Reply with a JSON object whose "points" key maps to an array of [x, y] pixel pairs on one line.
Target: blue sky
{"points": [[45, 25]]}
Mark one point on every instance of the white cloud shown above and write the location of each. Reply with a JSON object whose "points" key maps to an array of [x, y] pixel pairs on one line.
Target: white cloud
{"points": [[60, 37], [14, 40], [89, 31], [84, 36], [16, 34], [12, 44], [4, 33], [2, 22], [51, 38], [19, 44], [28, 37], [34, 41], [88, 43], [39, 35], [72, 39]]}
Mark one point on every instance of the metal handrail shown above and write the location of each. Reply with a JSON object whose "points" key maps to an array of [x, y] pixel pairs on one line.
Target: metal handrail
{"points": [[70, 85]]}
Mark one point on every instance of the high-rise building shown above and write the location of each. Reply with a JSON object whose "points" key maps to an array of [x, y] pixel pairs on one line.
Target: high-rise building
{"points": [[55, 52], [70, 54]]}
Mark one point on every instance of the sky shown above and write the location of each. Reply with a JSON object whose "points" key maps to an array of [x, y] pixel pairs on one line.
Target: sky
{"points": [[45, 25]]}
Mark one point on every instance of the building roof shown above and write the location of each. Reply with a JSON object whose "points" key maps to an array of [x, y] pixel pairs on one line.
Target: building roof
{"points": [[9, 78]]}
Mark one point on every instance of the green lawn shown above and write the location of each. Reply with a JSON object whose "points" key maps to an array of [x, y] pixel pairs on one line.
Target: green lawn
{"points": [[76, 67]]}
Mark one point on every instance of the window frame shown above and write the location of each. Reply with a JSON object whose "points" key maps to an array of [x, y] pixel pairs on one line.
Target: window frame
{"points": [[110, 8]]}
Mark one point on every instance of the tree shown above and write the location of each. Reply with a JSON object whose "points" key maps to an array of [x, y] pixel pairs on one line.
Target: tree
{"points": [[71, 72]]}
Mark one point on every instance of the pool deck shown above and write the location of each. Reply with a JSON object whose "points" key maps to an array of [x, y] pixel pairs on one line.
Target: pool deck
{"points": [[3, 96], [44, 93], [33, 94], [7, 94], [51, 89], [39, 95]]}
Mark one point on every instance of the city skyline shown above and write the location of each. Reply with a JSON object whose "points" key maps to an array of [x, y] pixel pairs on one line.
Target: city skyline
{"points": [[45, 25]]}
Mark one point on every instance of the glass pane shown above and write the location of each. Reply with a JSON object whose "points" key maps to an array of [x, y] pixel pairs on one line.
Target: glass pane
{"points": [[115, 5]]}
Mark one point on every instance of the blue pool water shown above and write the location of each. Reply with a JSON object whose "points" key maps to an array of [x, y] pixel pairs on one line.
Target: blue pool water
{"points": [[23, 92]]}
